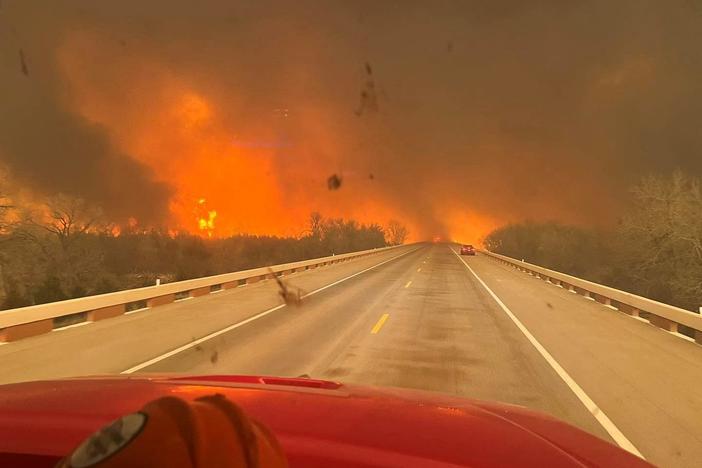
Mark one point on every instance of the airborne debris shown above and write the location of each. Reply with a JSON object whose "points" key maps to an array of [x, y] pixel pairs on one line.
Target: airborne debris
{"points": [[291, 295], [23, 63], [449, 46], [549, 305], [371, 176], [334, 182], [369, 100], [214, 357], [197, 347]]}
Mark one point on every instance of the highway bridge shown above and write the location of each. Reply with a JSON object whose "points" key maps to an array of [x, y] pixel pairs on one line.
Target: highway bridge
{"points": [[416, 316]]}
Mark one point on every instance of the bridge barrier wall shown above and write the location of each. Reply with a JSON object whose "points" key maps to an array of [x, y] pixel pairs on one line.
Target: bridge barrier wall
{"points": [[665, 316], [29, 321]]}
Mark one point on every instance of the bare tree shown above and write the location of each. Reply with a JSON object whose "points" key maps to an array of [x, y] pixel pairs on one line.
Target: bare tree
{"points": [[316, 225], [663, 233], [67, 253], [396, 233], [69, 217]]}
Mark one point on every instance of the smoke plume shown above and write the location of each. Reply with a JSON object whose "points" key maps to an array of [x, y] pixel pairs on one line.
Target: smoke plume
{"points": [[453, 116]]}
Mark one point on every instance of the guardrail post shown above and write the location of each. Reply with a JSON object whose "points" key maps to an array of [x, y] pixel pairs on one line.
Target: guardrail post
{"points": [[26, 330], [106, 312], [160, 300], [197, 292], [664, 323]]}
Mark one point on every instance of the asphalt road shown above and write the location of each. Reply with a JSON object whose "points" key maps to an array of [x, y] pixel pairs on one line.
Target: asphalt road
{"points": [[418, 317]]}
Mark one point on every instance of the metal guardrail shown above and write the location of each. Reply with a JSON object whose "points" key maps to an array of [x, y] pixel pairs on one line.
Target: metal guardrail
{"points": [[667, 317], [34, 320]]}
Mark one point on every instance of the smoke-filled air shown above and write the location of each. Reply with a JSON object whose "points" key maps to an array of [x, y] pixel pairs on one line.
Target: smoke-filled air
{"points": [[228, 117]]}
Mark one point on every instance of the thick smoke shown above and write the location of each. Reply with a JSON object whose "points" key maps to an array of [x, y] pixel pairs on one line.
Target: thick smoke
{"points": [[49, 147], [465, 114]]}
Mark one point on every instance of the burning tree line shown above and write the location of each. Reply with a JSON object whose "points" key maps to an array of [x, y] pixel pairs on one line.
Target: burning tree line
{"points": [[65, 249], [654, 251]]}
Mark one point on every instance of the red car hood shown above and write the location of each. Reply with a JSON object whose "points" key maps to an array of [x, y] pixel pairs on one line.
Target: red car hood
{"points": [[319, 423]]}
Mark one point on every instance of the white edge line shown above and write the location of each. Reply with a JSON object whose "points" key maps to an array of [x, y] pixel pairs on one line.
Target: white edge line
{"points": [[248, 320], [74, 325], [684, 337], [590, 405], [640, 319], [143, 309]]}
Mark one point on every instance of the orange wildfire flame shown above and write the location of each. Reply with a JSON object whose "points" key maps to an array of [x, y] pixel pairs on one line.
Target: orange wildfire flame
{"points": [[206, 218], [192, 141]]}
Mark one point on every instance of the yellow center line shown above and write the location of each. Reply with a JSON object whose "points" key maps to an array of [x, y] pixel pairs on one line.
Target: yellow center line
{"points": [[380, 323], [408, 284]]}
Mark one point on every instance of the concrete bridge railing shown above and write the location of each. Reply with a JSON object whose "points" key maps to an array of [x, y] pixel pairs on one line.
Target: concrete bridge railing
{"points": [[29, 321]]}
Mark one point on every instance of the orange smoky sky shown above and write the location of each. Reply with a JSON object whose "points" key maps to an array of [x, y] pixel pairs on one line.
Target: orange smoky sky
{"points": [[452, 117], [215, 152]]}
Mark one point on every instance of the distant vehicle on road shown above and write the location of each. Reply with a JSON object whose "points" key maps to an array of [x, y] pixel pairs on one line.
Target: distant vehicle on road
{"points": [[467, 250], [317, 423]]}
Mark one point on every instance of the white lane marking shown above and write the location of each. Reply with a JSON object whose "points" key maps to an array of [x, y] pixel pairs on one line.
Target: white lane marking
{"points": [[248, 320], [597, 412]]}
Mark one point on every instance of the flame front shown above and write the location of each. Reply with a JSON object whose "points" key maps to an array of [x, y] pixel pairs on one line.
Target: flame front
{"points": [[205, 218]]}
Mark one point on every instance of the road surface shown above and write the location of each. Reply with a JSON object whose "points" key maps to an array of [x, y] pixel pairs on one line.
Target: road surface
{"points": [[417, 317]]}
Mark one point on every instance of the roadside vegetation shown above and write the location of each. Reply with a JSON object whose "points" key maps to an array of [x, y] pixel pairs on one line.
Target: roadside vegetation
{"points": [[64, 249], [654, 251]]}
